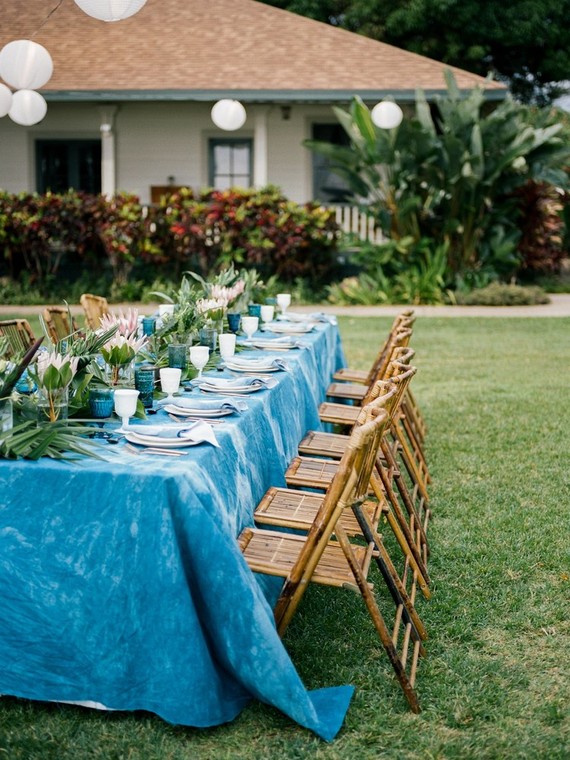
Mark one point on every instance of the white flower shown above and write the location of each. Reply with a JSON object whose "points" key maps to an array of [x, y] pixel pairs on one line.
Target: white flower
{"points": [[118, 341], [206, 305], [53, 359]]}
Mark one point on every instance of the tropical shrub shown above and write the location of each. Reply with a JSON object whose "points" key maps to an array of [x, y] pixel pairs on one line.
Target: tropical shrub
{"points": [[398, 271], [450, 176], [500, 294], [49, 241], [251, 228]]}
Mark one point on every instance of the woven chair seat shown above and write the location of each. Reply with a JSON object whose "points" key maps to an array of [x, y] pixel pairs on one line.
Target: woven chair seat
{"points": [[350, 391], [275, 553], [338, 414], [352, 375], [295, 509], [310, 472]]}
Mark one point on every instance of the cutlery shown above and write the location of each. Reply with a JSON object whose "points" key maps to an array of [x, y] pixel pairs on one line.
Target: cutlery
{"points": [[151, 450], [189, 418]]}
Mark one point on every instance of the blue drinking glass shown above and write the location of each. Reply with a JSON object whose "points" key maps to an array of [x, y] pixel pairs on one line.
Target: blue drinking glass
{"points": [[234, 320], [149, 325], [101, 402], [254, 310], [144, 383]]}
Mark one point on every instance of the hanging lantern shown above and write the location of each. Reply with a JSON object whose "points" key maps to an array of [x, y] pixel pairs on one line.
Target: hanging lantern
{"points": [[28, 107], [110, 10], [5, 99], [25, 65], [387, 114], [228, 114]]}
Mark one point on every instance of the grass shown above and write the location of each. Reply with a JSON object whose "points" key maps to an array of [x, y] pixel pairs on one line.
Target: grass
{"points": [[495, 680]]}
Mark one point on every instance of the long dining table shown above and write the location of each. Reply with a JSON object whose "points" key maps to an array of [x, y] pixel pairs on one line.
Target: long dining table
{"points": [[122, 585]]}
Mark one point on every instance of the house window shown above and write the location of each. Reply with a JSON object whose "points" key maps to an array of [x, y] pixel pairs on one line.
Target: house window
{"points": [[230, 163], [328, 187], [65, 164]]}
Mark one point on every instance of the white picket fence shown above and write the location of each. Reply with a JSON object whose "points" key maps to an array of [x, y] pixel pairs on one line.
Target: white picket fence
{"points": [[356, 222]]}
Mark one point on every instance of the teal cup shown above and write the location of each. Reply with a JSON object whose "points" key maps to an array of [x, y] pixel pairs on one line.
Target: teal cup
{"points": [[101, 402]]}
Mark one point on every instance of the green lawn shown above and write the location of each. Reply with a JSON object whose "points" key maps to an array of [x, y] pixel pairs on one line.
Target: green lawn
{"points": [[496, 677]]}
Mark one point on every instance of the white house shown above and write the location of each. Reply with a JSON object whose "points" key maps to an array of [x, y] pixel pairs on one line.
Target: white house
{"points": [[129, 102]]}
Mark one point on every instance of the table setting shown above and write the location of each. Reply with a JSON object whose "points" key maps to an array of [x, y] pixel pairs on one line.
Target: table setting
{"points": [[122, 585]]}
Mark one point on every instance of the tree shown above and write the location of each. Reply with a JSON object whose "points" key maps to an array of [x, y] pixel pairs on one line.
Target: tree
{"points": [[523, 42]]}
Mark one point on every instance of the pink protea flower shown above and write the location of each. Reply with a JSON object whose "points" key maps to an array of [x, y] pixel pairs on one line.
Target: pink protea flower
{"points": [[126, 324]]}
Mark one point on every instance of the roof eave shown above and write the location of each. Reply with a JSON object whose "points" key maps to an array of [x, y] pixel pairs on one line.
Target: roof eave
{"points": [[250, 96]]}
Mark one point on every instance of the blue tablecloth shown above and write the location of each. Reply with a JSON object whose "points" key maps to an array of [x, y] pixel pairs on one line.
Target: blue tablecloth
{"points": [[121, 583]]}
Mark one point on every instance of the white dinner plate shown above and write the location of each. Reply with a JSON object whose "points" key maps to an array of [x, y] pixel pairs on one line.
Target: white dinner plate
{"points": [[227, 391], [270, 345], [197, 412], [160, 443], [252, 367]]}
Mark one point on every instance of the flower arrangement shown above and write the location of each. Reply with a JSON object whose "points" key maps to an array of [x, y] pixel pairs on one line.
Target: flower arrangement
{"points": [[53, 374], [212, 308], [120, 350]]}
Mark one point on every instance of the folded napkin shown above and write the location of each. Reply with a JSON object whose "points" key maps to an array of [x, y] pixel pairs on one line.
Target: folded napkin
{"points": [[316, 316], [296, 327], [286, 341], [257, 364], [198, 432], [239, 382], [210, 405]]}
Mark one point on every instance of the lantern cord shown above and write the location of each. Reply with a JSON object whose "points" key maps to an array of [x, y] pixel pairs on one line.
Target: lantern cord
{"points": [[47, 18]]}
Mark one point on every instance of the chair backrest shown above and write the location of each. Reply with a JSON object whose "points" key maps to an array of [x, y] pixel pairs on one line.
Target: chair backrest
{"points": [[350, 484], [19, 334], [399, 339], [56, 320], [94, 307], [404, 320]]}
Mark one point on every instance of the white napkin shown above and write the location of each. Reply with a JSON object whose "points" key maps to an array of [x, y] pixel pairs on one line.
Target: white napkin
{"points": [[197, 431]]}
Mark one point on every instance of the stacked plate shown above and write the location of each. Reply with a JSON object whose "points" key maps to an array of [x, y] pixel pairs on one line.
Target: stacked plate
{"points": [[273, 344], [189, 411], [288, 328], [159, 443], [228, 387], [263, 364]]}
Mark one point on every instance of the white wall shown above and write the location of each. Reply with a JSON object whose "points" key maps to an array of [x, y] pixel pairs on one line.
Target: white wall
{"points": [[154, 141]]}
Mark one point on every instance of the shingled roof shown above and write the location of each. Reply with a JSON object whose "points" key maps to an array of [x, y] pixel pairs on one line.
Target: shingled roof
{"points": [[206, 49]]}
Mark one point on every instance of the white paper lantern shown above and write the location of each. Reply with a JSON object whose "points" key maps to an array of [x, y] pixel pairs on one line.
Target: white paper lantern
{"points": [[28, 107], [387, 115], [5, 99], [110, 10], [228, 114], [25, 65]]}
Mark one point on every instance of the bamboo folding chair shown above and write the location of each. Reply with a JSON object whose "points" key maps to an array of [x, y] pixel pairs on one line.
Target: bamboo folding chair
{"points": [[399, 335], [94, 307], [356, 382], [324, 555], [404, 512], [19, 334], [57, 323], [406, 431], [366, 377], [296, 509], [391, 468]]}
